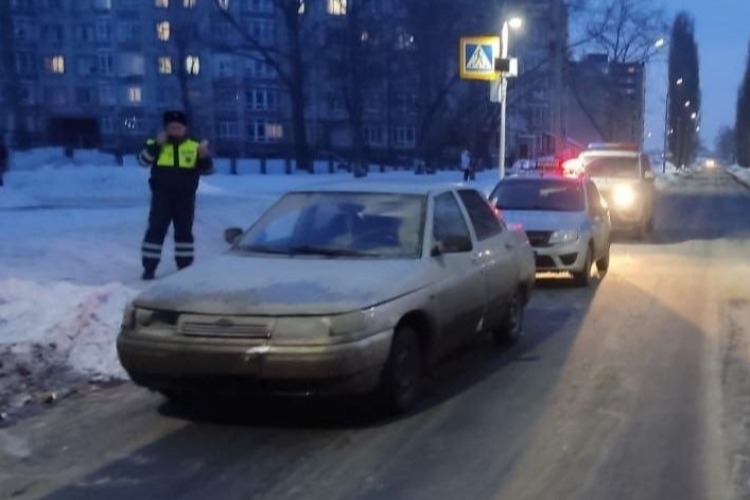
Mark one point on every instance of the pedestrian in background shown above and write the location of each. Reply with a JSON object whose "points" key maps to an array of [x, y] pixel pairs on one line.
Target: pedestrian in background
{"points": [[466, 164], [176, 162], [4, 160]]}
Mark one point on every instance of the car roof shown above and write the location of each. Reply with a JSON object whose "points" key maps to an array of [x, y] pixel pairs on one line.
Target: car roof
{"points": [[611, 153], [383, 187], [540, 176]]}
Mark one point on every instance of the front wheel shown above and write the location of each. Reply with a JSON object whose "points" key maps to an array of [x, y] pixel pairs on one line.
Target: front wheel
{"points": [[582, 278], [602, 265], [511, 329], [401, 381]]}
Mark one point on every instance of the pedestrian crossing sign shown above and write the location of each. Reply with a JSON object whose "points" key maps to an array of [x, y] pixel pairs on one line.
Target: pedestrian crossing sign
{"points": [[478, 55]]}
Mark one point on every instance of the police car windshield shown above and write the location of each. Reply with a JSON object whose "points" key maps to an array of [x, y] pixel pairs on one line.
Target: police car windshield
{"points": [[552, 195], [623, 167]]}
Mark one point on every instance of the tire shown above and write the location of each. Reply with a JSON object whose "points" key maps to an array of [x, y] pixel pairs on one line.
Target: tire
{"points": [[602, 265], [511, 329], [582, 278], [402, 376]]}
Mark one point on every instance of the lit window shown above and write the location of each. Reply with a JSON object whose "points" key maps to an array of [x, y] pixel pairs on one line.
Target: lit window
{"points": [[223, 4], [162, 4], [55, 64], [165, 65], [192, 65], [135, 94], [337, 7], [301, 7], [274, 131], [163, 30], [188, 4]]}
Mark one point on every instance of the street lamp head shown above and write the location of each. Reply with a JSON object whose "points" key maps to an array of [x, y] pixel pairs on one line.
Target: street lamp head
{"points": [[694, 116], [515, 22], [661, 42], [680, 81], [687, 104]]}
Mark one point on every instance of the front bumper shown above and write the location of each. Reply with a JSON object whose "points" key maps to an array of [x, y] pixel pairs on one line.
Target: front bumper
{"points": [[226, 366], [570, 257]]}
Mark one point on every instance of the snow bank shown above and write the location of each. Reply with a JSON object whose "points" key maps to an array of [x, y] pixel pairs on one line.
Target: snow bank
{"points": [[78, 323], [740, 173]]}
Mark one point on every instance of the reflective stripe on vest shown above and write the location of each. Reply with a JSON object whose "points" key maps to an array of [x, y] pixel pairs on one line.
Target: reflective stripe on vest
{"points": [[187, 155]]}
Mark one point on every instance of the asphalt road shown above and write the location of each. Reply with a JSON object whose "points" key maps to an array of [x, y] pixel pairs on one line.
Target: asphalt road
{"points": [[638, 388]]}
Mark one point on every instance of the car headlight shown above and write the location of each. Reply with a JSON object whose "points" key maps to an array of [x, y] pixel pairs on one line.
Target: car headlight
{"points": [[148, 317], [564, 236], [319, 327], [624, 196]]}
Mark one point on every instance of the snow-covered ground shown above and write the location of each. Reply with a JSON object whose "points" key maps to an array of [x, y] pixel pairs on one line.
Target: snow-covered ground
{"points": [[69, 253], [740, 173]]}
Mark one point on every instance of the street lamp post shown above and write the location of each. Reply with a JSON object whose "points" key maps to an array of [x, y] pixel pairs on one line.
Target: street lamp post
{"points": [[514, 23]]}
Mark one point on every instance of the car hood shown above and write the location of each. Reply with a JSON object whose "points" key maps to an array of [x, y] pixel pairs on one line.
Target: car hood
{"points": [[608, 183], [246, 285], [544, 221]]}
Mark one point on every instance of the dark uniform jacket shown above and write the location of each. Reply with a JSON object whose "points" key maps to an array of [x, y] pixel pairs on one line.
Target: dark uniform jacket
{"points": [[175, 165]]}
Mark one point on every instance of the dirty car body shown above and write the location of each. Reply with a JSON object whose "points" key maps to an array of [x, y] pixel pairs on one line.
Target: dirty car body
{"points": [[307, 301]]}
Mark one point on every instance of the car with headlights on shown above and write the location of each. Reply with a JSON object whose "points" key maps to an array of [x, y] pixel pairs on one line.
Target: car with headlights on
{"points": [[352, 288], [565, 219], [625, 179]]}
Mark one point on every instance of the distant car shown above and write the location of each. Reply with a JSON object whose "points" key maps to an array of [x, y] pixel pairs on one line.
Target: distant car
{"points": [[625, 179], [566, 221], [350, 289]]}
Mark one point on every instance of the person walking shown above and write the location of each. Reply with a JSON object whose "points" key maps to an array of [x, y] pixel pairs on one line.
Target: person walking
{"points": [[4, 160], [466, 164], [176, 161]]}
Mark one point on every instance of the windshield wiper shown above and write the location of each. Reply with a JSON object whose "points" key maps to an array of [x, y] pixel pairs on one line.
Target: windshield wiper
{"points": [[326, 252]]}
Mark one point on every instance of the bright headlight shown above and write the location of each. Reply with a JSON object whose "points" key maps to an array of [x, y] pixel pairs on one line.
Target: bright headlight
{"points": [[564, 236], [624, 196], [317, 327]]}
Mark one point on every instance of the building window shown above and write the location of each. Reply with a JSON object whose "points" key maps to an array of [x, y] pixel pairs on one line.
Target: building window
{"points": [[274, 131], [28, 95], [84, 96], [105, 63], [107, 125], [337, 7], [23, 30], [102, 5], [227, 129], [261, 99], [263, 31], [103, 31], [56, 96], [256, 67], [108, 95], [129, 31], [25, 63], [86, 65], [193, 65], [135, 95], [261, 131], [163, 31], [83, 33], [264, 6], [55, 64], [404, 137], [132, 65], [162, 4], [225, 67], [53, 33], [223, 4], [188, 4], [374, 136], [165, 65]]}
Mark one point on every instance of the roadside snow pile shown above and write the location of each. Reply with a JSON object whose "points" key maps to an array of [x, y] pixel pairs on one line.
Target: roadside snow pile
{"points": [[672, 176], [742, 174], [76, 324]]}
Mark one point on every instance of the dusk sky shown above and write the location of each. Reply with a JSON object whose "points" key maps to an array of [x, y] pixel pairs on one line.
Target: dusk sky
{"points": [[723, 35]]}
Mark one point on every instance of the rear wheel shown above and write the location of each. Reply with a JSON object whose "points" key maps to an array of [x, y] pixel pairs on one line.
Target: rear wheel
{"points": [[582, 278], [511, 329], [402, 376]]}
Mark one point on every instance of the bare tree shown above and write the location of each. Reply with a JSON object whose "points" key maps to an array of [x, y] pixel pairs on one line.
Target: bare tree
{"points": [[287, 62], [625, 30]]}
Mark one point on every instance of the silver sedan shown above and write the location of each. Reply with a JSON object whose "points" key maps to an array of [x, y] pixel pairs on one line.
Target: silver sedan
{"points": [[356, 288]]}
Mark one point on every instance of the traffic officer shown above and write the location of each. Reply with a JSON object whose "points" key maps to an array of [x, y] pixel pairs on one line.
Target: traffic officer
{"points": [[176, 162]]}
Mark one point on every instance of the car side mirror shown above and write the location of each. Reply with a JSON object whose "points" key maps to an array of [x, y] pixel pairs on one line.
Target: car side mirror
{"points": [[232, 234]]}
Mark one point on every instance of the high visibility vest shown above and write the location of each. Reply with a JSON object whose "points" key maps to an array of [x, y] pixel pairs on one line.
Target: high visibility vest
{"points": [[182, 155]]}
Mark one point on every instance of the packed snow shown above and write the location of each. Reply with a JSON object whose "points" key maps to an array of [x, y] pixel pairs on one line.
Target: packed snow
{"points": [[742, 174], [69, 251]]}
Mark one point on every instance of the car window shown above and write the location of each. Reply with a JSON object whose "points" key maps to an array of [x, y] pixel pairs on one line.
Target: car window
{"points": [[448, 221], [545, 195], [483, 218]]}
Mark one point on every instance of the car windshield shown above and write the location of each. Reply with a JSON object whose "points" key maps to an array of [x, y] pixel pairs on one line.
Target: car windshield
{"points": [[541, 195], [340, 225], [613, 167]]}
